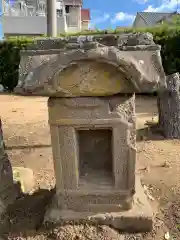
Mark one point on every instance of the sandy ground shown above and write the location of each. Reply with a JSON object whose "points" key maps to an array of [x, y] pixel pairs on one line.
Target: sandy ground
{"points": [[26, 134]]}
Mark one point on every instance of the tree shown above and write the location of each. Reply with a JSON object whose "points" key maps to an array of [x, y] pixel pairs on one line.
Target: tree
{"points": [[173, 21], [169, 107]]}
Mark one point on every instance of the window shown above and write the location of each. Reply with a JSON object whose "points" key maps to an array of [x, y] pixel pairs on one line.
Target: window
{"points": [[59, 12], [67, 9], [20, 5], [41, 7]]}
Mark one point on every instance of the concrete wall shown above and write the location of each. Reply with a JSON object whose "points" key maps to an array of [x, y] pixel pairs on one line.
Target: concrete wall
{"points": [[85, 25], [72, 29], [74, 18], [35, 25]]}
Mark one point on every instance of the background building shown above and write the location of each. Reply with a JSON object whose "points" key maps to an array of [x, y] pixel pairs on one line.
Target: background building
{"points": [[28, 17]]}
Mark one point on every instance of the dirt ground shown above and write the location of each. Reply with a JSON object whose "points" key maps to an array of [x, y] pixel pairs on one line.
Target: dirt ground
{"points": [[26, 134]]}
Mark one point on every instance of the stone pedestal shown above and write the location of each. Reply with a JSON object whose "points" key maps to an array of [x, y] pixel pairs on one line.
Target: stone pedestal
{"points": [[137, 219], [94, 155]]}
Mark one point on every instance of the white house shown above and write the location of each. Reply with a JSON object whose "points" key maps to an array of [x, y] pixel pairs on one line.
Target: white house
{"points": [[28, 17]]}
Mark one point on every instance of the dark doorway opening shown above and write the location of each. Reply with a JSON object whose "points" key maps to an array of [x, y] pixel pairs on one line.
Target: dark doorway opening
{"points": [[95, 157]]}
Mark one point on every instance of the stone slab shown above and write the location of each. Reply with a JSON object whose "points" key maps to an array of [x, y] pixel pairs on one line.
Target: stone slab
{"points": [[138, 219], [129, 63]]}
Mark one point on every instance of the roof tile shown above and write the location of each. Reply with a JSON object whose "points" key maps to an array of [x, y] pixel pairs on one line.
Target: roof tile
{"points": [[152, 18], [85, 14]]}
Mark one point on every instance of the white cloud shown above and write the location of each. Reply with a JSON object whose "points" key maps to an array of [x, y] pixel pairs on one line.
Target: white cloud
{"points": [[122, 17], [102, 17], [141, 1], [166, 6]]}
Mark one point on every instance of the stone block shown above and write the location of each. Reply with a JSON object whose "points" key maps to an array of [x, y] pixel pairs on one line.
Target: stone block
{"points": [[138, 219]]}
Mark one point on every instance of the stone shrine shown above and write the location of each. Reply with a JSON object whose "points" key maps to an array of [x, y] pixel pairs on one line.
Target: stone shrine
{"points": [[91, 82]]}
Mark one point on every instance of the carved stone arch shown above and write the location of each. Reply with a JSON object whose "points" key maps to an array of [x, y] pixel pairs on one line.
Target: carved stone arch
{"points": [[114, 72], [91, 78], [48, 78]]}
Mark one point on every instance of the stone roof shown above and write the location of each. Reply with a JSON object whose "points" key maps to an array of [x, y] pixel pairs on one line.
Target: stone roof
{"points": [[135, 56]]}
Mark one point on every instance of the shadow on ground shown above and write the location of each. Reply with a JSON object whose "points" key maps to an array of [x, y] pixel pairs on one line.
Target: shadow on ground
{"points": [[26, 214], [149, 132], [23, 221]]}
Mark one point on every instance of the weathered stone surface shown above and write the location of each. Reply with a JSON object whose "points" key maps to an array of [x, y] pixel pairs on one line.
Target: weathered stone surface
{"points": [[134, 39], [169, 107], [93, 128], [137, 219], [65, 69], [85, 192], [67, 115], [91, 78]]}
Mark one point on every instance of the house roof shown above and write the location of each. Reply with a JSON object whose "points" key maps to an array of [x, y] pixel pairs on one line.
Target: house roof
{"points": [[152, 18], [85, 14]]}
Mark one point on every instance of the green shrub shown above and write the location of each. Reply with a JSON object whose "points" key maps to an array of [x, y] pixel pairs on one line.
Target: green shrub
{"points": [[166, 36], [169, 39], [9, 61]]}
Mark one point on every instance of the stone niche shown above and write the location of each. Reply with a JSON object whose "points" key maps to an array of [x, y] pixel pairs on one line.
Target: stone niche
{"points": [[94, 152]]}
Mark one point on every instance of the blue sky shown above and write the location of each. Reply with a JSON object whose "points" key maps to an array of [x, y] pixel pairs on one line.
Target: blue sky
{"points": [[112, 13]]}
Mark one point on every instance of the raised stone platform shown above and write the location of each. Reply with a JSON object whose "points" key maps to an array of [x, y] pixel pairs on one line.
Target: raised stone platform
{"points": [[137, 219]]}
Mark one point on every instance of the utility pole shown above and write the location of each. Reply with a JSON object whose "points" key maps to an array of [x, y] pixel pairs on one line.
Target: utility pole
{"points": [[51, 18]]}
